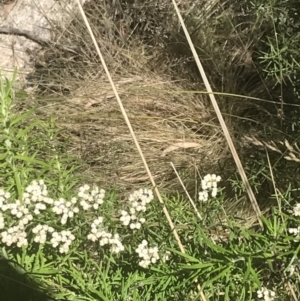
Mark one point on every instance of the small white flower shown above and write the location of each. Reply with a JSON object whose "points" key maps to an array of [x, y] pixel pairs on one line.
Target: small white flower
{"points": [[204, 185], [4, 196], [19, 214], [166, 256], [214, 192], [132, 226], [98, 221], [138, 225], [294, 231], [14, 235], [148, 255], [266, 294], [296, 209], [63, 240], [203, 196], [132, 210], [104, 241]]}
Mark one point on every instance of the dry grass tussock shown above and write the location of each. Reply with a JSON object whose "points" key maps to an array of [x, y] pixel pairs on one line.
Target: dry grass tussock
{"points": [[171, 126], [155, 77]]}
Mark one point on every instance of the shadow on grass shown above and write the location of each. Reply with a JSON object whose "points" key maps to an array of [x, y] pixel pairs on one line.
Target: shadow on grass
{"points": [[17, 287]]}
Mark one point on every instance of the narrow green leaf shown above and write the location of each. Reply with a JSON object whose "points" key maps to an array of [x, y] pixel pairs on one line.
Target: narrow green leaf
{"points": [[31, 160], [196, 266], [3, 156], [99, 294], [220, 275], [22, 117], [186, 256], [44, 272]]}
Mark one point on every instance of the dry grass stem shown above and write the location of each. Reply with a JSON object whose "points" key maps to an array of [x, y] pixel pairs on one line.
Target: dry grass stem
{"points": [[290, 153], [273, 182], [221, 120], [188, 195], [292, 291], [132, 131]]}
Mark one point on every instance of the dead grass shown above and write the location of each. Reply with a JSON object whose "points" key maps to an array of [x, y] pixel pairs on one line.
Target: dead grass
{"points": [[171, 126], [288, 151]]}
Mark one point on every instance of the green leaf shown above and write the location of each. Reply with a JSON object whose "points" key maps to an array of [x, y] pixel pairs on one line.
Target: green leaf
{"points": [[3, 156], [196, 266], [22, 117], [23, 132], [184, 255], [21, 94], [44, 272], [31, 160], [99, 294], [219, 275]]}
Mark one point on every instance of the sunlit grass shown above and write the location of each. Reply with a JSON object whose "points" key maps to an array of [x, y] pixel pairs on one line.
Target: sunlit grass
{"points": [[81, 242]]}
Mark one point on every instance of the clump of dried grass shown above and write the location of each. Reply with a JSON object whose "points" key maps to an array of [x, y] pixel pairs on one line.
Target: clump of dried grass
{"points": [[171, 126]]}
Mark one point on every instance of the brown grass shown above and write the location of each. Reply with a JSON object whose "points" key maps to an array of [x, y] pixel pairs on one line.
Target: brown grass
{"points": [[157, 87], [171, 126], [288, 151]]}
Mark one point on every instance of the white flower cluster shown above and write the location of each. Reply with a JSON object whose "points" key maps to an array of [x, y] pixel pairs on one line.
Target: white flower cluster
{"points": [[148, 255], [115, 244], [294, 231], [95, 233], [131, 219], [35, 200], [266, 294], [14, 235], [105, 238], [209, 185], [40, 232], [65, 208], [63, 240], [20, 211], [138, 202], [90, 197], [36, 195]]}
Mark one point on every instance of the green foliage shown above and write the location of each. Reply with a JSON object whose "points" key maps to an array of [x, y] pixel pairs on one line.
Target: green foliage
{"points": [[30, 149], [279, 20], [232, 265]]}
